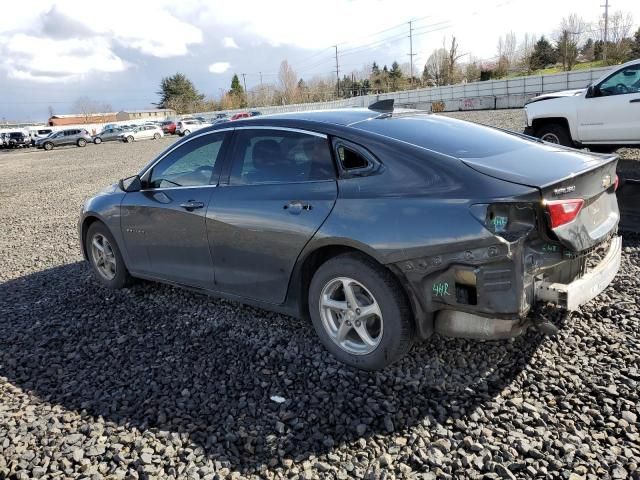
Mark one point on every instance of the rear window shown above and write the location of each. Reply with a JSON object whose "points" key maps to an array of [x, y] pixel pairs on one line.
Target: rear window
{"points": [[446, 135]]}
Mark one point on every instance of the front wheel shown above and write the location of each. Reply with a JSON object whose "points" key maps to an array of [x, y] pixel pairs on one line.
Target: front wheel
{"points": [[48, 146], [156, 136], [360, 312], [129, 138], [105, 258], [555, 133], [82, 142], [97, 140], [186, 132]]}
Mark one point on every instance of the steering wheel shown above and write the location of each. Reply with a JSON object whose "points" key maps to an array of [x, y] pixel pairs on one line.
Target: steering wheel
{"points": [[622, 88]]}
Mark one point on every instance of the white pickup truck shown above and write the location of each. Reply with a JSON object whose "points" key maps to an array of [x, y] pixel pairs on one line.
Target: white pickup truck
{"points": [[603, 117]]}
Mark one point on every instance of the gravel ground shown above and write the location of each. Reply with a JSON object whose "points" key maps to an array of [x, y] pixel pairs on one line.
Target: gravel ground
{"points": [[157, 382]]}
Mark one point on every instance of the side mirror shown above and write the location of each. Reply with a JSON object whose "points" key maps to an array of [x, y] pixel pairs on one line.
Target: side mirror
{"points": [[130, 184], [593, 91]]}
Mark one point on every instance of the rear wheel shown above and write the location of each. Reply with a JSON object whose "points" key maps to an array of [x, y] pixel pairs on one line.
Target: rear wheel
{"points": [[105, 258], [82, 142], [48, 146], [186, 132], [360, 312], [555, 133]]}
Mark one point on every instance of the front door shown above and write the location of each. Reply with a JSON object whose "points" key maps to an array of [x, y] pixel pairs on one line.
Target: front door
{"points": [[281, 187], [614, 114], [164, 223]]}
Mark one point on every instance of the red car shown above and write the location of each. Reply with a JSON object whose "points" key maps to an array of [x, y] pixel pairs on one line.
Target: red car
{"points": [[169, 127], [238, 116]]}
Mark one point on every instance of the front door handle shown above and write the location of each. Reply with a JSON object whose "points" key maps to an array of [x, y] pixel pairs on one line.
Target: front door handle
{"points": [[191, 205], [635, 100], [296, 206]]}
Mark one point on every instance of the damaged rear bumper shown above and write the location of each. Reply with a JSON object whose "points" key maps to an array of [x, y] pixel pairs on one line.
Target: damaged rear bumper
{"points": [[571, 295]]}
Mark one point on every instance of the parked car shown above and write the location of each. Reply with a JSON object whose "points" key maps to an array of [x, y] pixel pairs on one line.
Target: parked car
{"points": [[36, 133], [4, 140], [169, 127], [71, 136], [218, 121], [381, 227], [254, 113], [240, 115], [19, 140], [185, 127], [110, 134], [603, 117], [145, 132]]}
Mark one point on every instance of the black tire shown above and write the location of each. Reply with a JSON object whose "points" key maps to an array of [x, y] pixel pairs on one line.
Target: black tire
{"points": [[82, 142], [397, 332], [97, 140], [47, 146], [186, 132], [129, 138], [122, 278], [555, 133], [156, 136]]}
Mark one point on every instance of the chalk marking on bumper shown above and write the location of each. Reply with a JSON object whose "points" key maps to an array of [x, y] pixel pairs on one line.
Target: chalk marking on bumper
{"points": [[582, 290]]}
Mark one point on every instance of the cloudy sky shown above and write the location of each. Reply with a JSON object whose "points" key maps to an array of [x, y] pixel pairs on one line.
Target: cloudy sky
{"points": [[116, 52]]}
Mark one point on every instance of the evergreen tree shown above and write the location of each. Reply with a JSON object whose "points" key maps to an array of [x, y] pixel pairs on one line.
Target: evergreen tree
{"points": [[543, 54], [236, 87], [179, 93], [635, 46], [375, 69]]}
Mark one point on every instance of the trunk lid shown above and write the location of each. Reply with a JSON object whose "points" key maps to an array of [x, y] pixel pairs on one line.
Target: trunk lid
{"points": [[562, 174]]}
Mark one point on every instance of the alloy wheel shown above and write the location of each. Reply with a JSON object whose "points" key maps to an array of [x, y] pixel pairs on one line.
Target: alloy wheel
{"points": [[551, 138], [103, 257], [351, 316]]}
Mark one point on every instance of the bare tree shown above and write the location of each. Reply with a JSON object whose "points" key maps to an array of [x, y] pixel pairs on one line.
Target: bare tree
{"points": [[569, 38], [618, 38], [452, 57], [89, 109], [506, 54], [437, 67], [526, 52], [288, 82]]}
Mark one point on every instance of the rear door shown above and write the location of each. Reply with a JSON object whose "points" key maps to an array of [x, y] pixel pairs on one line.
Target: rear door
{"points": [[164, 224], [281, 187]]}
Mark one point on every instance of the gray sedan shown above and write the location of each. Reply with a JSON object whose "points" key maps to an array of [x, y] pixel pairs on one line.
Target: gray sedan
{"points": [[380, 227], [111, 134]]}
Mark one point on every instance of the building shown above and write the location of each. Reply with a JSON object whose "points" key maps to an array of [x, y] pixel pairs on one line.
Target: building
{"points": [[155, 114], [81, 118]]}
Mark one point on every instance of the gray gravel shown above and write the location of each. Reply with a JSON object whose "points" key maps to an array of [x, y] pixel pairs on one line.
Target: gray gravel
{"points": [[153, 381]]}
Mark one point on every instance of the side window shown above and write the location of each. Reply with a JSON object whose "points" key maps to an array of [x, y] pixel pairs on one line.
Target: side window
{"points": [[350, 159], [280, 156], [624, 81], [191, 164]]}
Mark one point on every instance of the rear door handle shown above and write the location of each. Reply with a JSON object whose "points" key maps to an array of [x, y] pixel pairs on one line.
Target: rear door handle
{"points": [[191, 205], [635, 100], [296, 206]]}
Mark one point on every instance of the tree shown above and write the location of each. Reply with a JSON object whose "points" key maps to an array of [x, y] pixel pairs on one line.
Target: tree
{"points": [[50, 111], [506, 54], [543, 54], [179, 93], [588, 50], [395, 76], [527, 50], [619, 44], [635, 46], [452, 58], [287, 80], [568, 39], [437, 67], [236, 87], [88, 109], [375, 70]]}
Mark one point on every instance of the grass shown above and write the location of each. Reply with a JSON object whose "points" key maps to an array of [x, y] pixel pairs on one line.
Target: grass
{"points": [[558, 69]]}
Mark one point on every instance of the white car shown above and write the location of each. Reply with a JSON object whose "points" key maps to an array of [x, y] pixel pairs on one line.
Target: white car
{"points": [[190, 125], [143, 132], [603, 117]]}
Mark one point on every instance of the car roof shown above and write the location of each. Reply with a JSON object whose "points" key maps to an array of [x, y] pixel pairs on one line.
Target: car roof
{"points": [[343, 116]]}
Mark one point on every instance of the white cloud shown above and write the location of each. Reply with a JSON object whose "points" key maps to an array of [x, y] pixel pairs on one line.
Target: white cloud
{"points": [[229, 42], [29, 57], [219, 67]]}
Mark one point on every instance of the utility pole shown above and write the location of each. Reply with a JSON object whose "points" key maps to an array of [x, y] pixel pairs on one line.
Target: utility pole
{"points": [[260, 80], [411, 54], [606, 30], [337, 74]]}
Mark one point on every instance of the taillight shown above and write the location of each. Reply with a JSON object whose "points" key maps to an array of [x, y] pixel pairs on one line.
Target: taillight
{"points": [[562, 212]]}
